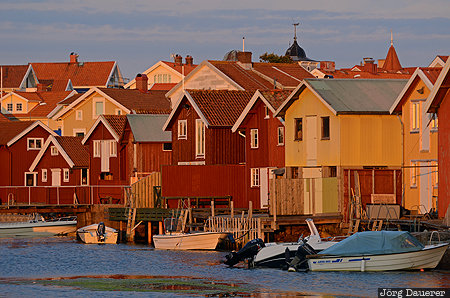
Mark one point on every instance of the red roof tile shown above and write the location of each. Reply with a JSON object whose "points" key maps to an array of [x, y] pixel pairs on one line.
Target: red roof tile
{"points": [[162, 86], [81, 74], [10, 129], [71, 99], [75, 150], [151, 102], [50, 98], [432, 73], [276, 97], [221, 107], [117, 122], [347, 74], [444, 58], [391, 63], [287, 74], [13, 75]]}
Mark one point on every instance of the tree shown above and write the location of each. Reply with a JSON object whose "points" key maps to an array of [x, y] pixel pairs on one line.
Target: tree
{"points": [[274, 58]]}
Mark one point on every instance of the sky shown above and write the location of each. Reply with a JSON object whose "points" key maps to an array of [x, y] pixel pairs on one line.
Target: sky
{"points": [[139, 33]]}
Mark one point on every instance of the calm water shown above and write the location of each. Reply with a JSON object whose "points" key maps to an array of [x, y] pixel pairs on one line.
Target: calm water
{"points": [[62, 267]]}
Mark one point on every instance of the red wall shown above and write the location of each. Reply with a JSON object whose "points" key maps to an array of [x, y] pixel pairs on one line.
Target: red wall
{"points": [[444, 156], [206, 181]]}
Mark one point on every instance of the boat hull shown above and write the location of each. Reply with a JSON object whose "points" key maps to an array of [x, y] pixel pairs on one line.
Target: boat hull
{"points": [[427, 258], [88, 235], [36, 229], [189, 241]]}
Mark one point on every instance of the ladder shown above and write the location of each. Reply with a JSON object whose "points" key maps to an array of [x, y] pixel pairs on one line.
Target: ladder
{"points": [[131, 218]]}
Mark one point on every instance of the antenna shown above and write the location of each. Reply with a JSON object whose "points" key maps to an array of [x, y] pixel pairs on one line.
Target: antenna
{"points": [[243, 44], [392, 39]]}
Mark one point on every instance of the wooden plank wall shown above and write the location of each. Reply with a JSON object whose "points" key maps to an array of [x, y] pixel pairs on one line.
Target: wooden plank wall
{"points": [[144, 192], [286, 196]]}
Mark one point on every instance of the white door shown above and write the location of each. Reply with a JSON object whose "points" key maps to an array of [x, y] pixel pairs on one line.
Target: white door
{"points": [[105, 156], [425, 180], [264, 188], [311, 140], [56, 177]]}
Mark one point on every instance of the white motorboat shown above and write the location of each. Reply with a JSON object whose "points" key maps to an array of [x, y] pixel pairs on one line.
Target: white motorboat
{"points": [[38, 227], [175, 238], [378, 251], [97, 234]]}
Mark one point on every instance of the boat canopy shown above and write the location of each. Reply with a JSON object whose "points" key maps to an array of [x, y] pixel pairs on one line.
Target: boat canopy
{"points": [[375, 243]]}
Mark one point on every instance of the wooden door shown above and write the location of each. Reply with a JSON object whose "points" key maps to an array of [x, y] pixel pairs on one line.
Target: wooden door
{"points": [[264, 188], [311, 140], [105, 156]]}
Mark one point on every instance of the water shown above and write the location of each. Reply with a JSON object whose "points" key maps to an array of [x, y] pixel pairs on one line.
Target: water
{"points": [[62, 267]]}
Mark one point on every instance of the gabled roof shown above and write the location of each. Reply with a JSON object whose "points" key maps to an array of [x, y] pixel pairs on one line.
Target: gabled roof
{"points": [[162, 86], [215, 107], [439, 61], [82, 74], [426, 74], [13, 75], [288, 75], [148, 128], [271, 98], [361, 74], [440, 90], [12, 131], [70, 148], [115, 124], [391, 63], [349, 96]]}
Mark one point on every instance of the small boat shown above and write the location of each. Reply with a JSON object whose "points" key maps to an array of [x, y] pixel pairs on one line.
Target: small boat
{"points": [[39, 226], [278, 254], [176, 238], [97, 234], [377, 251]]}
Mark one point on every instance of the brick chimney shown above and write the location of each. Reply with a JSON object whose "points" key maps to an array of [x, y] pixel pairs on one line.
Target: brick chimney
{"points": [[41, 88], [244, 57], [328, 65], [178, 60], [370, 65], [73, 57], [189, 60], [142, 82]]}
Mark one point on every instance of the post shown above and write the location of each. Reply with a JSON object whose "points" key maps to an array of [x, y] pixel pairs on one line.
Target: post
{"points": [[160, 230], [250, 209], [149, 232], [29, 195], [120, 230], [212, 208], [57, 194], [232, 209]]}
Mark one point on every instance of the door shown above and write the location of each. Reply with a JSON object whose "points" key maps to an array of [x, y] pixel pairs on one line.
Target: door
{"points": [[56, 177], [264, 188], [311, 140], [425, 181], [104, 156]]}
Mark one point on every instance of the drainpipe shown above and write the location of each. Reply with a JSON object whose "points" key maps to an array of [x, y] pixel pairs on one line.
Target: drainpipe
{"points": [[403, 161]]}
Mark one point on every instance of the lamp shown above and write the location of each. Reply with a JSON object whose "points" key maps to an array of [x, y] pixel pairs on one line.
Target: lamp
{"points": [[39, 104]]}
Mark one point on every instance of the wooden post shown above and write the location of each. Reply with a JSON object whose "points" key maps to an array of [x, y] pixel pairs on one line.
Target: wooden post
{"points": [[212, 208], [250, 209], [232, 209], [149, 232], [120, 231], [160, 228]]}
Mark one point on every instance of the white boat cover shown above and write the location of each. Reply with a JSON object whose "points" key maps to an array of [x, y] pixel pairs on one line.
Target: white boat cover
{"points": [[375, 243]]}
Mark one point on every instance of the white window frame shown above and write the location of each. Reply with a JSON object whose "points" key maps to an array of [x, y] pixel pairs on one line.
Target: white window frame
{"points": [[34, 142], [66, 175], [167, 149], [44, 175], [19, 104], [34, 178], [112, 148], [54, 151], [79, 130], [200, 138], [182, 129], [415, 116], [254, 177], [79, 115], [94, 107], [9, 107], [266, 112], [254, 138], [280, 133], [97, 147]]}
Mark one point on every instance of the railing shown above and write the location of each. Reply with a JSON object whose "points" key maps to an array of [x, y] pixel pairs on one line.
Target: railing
{"points": [[242, 228]]}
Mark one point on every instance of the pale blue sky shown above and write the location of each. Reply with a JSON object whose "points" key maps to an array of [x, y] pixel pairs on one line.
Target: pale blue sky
{"points": [[138, 33]]}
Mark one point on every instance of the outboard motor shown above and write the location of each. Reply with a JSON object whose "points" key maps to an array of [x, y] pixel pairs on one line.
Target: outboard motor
{"points": [[101, 232], [299, 262], [249, 250]]}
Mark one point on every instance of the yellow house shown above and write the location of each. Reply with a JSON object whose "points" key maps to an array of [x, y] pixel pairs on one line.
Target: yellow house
{"points": [[420, 141], [333, 125], [77, 117]]}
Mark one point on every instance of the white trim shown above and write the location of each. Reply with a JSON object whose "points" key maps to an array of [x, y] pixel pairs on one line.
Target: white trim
{"points": [[51, 140], [66, 171], [28, 129], [77, 130], [200, 132], [278, 136], [30, 69], [44, 174], [34, 139], [255, 180], [35, 174], [111, 74], [437, 85], [106, 124], [94, 107], [254, 138], [53, 151], [96, 148], [179, 135], [112, 148], [437, 62], [153, 67]]}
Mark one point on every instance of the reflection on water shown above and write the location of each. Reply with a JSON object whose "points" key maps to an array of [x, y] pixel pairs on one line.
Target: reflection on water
{"points": [[62, 267]]}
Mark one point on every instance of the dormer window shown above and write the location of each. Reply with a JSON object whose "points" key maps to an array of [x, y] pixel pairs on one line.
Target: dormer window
{"points": [[54, 151], [266, 112], [9, 107], [19, 107]]}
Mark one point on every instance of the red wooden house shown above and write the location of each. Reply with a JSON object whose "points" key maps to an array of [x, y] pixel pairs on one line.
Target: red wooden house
{"points": [[439, 102], [201, 124], [62, 162], [264, 142], [20, 142]]}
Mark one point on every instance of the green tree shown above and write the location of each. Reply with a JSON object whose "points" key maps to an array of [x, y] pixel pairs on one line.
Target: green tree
{"points": [[274, 58]]}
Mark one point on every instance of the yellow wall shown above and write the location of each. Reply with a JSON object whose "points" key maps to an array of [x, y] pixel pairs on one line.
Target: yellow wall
{"points": [[14, 99], [69, 122], [175, 77]]}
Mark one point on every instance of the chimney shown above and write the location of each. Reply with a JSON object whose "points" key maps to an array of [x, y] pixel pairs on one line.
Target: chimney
{"points": [[370, 65], [41, 88], [178, 60], [142, 82], [244, 57], [73, 57], [189, 60], [328, 65]]}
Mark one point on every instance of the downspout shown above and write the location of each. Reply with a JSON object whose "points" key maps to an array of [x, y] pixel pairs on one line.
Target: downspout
{"points": [[403, 161]]}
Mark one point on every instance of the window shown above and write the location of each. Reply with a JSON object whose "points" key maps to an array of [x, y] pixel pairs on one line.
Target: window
{"points": [[97, 147], [182, 129], [415, 116], [30, 179], [79, 115], [118, 112], [162, 78], [280, 135], [84, 177], [254, 141], [414, 173], [66, 175], [18, 107], [9, 107], [254, 177], [298, 129], [34, 143], [325, 128], [79, 134], [98, 108], [266, 112], [54, 150], [434, 123], [199, 138], [167, 146], [44, 175], [112, 148]]}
